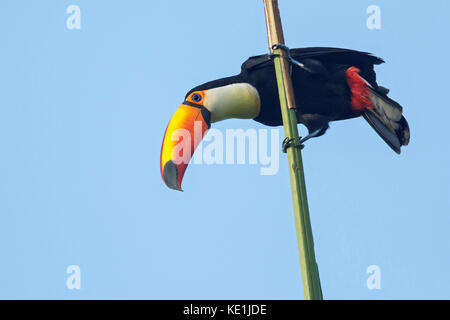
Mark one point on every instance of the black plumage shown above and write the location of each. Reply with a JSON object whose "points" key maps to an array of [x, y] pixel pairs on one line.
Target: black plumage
{"points": [[322, 92]]}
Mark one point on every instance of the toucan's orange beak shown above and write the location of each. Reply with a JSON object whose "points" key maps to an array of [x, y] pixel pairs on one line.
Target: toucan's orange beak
{"points": [[185, 131]]}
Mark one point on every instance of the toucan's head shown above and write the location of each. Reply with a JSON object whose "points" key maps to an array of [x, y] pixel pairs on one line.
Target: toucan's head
{"points": [[203, 105]]}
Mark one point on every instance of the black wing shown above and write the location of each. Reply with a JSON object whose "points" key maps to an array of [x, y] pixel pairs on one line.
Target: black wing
{"points": [[330, 55], [326, 56]]}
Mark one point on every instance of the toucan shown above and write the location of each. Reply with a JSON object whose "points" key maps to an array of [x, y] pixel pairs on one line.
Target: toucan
{"points": [[330, 84]]}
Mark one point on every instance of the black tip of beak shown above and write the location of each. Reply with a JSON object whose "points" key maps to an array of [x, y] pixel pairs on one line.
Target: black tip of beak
{"points": [[170, 174]]}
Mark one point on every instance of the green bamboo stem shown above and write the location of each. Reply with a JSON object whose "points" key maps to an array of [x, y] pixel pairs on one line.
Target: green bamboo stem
{"points": [[309, 270]]}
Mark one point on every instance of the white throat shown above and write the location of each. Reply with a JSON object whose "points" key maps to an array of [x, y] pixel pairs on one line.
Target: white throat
{"points": [[237, 100]]}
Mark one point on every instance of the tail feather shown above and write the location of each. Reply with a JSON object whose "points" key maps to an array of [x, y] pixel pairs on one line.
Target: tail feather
{"points": [[387, 120]]}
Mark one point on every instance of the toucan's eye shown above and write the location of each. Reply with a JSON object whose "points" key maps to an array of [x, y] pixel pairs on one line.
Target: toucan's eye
{"points": [[196, 97]]}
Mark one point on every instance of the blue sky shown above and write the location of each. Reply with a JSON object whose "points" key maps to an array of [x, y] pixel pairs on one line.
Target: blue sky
{"points": [[83, 114]]}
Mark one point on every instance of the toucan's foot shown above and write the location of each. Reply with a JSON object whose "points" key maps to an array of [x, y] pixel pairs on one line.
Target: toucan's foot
{"points": [[291, 142], [289, 57]]}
